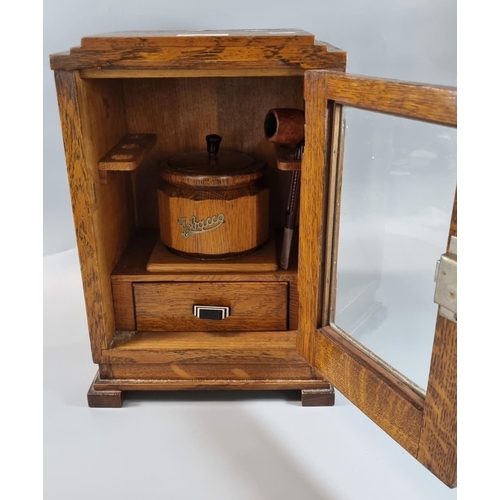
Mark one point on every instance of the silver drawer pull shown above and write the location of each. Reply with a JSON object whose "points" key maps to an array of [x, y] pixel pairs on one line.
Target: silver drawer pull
{"points": [[211, 312]]}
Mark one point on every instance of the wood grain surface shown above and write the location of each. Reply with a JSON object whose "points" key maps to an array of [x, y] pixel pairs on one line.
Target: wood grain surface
{"points": [[293, 306], [98, 108], [313, 203], [113, 207], [397, 413], [263, 259], [438, 440], [426, 428], [128, 153], [434, 104], [318, 397], [133, 266], [410, 391], [191, 108], [206, 356], [107, 398], [223, 169], [285, 159], [221, 57], [182, 385], [92, 120], [454, 220], [174, 50], [103, 73], [169, 306], [333, 212], [193, 73], [123, 303], [236, 226], [103, 124], [191, 38], [157, 347], [224, 369]]}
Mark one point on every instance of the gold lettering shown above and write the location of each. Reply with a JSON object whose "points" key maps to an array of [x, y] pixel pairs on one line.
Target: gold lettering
{"points": [[200, 226]]}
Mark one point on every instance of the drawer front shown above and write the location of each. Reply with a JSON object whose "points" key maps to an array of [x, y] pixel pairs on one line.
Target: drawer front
{"points": [[170, 306]]}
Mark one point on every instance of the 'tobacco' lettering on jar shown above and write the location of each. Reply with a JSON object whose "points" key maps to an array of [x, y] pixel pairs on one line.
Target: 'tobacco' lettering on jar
{"points": [[200, 226]]}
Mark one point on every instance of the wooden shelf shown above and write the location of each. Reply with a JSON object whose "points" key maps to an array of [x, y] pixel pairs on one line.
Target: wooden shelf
{"points": [[127, 154], [175, 342], [186, 355], [133, 264], [285, 160], [263, 259]]}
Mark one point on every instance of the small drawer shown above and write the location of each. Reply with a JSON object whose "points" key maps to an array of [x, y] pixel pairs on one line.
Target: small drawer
{"points": [[171, 306]]}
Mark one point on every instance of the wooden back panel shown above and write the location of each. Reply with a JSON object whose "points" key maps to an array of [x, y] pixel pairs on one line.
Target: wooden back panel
{"points": [[182, 111]]}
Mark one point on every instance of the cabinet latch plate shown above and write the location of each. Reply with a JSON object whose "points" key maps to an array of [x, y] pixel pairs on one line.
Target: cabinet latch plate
{"points": [[446, 282]]}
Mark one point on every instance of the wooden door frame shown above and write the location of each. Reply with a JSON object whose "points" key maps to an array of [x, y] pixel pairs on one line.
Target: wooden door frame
{"points": [[424, 426]]}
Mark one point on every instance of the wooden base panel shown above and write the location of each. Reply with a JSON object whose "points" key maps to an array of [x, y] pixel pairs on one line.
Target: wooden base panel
{"points": [[108, 393], [318, 397], [218, 371]]}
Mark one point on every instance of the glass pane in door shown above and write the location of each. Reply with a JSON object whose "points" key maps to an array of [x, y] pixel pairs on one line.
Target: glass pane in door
{"points": [[398, 187]]}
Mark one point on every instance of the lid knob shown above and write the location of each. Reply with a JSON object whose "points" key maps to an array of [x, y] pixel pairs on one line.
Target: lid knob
{"points": [[213, 143]]}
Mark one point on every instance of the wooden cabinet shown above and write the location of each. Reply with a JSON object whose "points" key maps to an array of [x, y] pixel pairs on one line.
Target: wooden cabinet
{"points": [[128, 101]]}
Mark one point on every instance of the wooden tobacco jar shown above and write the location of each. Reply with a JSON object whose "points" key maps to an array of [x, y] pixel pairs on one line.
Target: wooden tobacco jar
{"points": [[214, 204], [160, 318]]}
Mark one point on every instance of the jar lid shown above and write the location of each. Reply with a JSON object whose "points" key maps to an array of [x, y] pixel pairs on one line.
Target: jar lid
{"points": [[212, 168]]}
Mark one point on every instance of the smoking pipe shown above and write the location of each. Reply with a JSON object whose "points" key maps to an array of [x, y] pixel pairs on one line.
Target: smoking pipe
{"points": [[285, 126]]}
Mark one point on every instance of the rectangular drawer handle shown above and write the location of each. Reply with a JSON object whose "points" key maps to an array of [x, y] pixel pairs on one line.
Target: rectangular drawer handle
{"points": [[211, 312]]}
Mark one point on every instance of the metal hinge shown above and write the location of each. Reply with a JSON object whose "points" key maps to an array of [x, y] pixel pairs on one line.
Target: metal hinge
{"points": [[446, 282]]}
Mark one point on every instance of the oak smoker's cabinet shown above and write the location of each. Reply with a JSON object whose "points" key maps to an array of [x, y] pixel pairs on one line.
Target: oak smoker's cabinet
{"points": [[129, 100]]}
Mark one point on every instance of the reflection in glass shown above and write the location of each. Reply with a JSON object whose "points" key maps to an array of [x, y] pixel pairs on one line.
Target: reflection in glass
{"points": [[397, 196]]}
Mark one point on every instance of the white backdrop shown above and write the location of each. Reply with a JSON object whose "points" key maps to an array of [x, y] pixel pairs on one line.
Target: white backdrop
{"points": [[257, 448], [411, 40]]}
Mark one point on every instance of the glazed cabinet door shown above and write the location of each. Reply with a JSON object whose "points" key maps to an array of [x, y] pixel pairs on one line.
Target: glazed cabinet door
{"points": [[378, 194]]}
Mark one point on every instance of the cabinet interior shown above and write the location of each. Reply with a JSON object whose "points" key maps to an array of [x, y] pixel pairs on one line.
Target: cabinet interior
{"points": [[180, 112]]}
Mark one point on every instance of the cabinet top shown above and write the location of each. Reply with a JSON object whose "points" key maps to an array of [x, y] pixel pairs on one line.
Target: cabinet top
{"points": [[201, 50], [199, 38]]}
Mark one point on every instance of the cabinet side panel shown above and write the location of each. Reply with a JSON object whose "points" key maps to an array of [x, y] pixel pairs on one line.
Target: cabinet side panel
{"points": [[81, 186], [103, 125], [98, 250]]}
